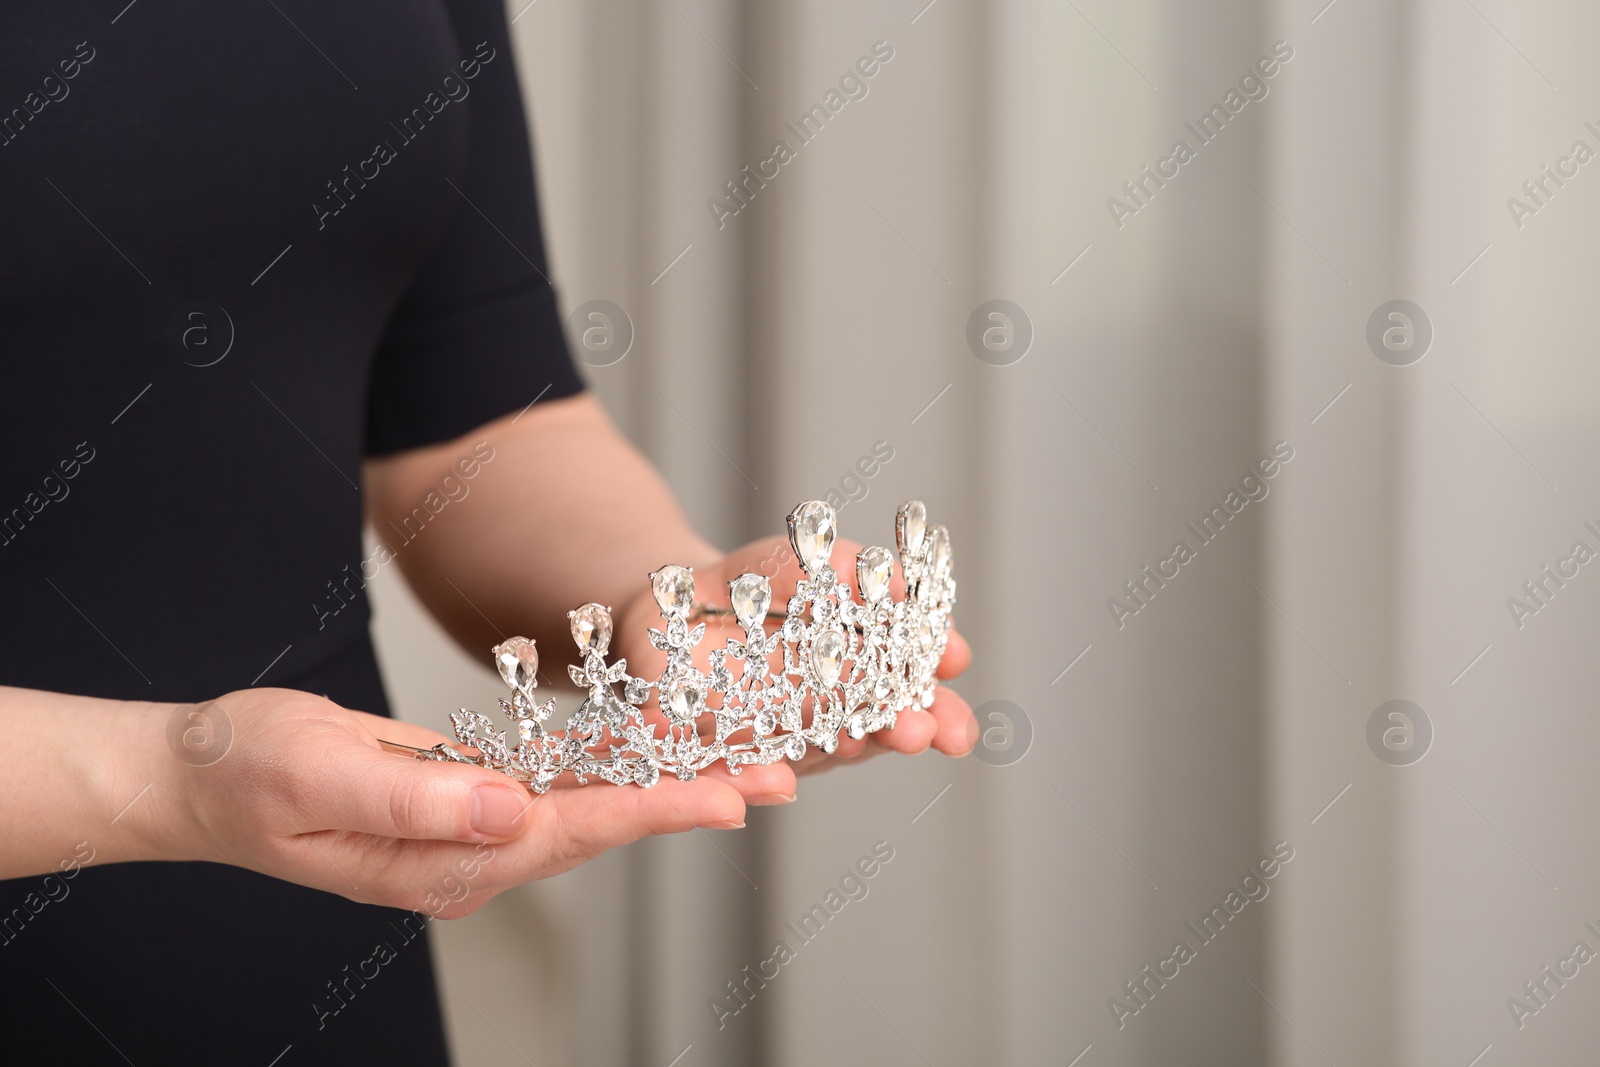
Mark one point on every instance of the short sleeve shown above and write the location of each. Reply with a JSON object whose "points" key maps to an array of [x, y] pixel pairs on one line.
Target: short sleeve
{"points": [[478, 334]]}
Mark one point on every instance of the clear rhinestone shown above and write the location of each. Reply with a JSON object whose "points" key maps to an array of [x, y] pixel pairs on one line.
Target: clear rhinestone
{"points": [[812, 527], [765, 723], [925, 634], [827, 656], [874, 568], [857, 727], [637, 690], [751, 595], [518, 661], [591, 628], [685, 700], [673, 587], [911, 526], [647, 773], [793, 628], [829, 743], [939, 554], [525, 730], [795, 747]]}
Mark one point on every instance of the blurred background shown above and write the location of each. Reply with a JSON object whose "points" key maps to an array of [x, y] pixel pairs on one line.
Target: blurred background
{"points": [[1161, 729]]}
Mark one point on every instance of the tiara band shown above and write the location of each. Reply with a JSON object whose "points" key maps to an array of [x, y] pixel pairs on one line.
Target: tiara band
{"points": [[851, 663]]}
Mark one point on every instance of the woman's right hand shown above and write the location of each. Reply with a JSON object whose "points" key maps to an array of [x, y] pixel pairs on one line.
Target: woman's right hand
{"points": [[297, 787]]}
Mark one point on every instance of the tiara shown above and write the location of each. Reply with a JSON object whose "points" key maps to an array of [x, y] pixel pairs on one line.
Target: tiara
{"points": [[850, 663]]}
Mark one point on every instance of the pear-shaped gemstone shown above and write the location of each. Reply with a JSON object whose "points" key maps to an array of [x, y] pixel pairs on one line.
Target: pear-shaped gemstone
{"points": [[751, 595], [812, 527], [874, 568], [827, 656], [591, 628], [939, 553], [911, 526], [518, 662], [673, 587], [685, 700]]}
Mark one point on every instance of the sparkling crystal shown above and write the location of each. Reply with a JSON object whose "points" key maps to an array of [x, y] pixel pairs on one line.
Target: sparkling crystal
{"points": [[518, 662], [812, 527], [525, 730], [857, 727], [795, 747], [829, 743], [591, 628], [925, 634], [765, 723], [911, 526], [751, 595], [673, 587], [647, 774], [939, 554], [874, 568], [637, 690], [685, 700], [793, 628], [827, 656]]}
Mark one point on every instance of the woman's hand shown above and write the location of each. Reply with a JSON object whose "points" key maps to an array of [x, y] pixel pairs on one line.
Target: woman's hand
{"points": [[303, 792], [947, 726]]}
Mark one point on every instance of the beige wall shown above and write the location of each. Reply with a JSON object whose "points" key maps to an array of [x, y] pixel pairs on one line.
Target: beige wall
{"points": [[1226, 715]]}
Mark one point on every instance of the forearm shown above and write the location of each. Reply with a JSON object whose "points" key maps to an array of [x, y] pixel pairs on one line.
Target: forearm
{"points": [[76, 772], [567, 511]]}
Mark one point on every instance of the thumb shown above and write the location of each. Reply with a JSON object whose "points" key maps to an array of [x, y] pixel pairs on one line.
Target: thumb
{"points": [[376, 792]]}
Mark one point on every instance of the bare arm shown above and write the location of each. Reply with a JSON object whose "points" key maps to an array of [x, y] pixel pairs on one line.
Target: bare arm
{"points": [[567, 511], [71, 764]]}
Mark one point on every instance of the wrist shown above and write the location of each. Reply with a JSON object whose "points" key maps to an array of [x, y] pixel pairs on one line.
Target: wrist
{"points": [[131, 778]]}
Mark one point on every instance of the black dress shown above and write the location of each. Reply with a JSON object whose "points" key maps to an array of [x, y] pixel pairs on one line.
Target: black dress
{"points": [[244, 245]]}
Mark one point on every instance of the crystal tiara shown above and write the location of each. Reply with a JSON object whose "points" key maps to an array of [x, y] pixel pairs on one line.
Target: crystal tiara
{"points": [[850, 662]]}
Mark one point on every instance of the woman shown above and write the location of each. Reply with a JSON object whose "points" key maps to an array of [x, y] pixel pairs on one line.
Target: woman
{"points": [[271, 269]]}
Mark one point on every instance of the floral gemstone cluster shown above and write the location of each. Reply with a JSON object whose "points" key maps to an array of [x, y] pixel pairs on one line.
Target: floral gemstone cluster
{"points": [[852, 660]]}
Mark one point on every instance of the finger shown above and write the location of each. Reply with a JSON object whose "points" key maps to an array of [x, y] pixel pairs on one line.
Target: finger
{"points": [[578, 824], [816, 761], [957, 656], [912, 732], [957, 729], [759, 784], [358, 786]]}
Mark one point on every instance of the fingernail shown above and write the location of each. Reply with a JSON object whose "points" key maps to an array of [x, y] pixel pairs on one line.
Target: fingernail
{"points": [[726, 824], [495, 810], [771, 798]]}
